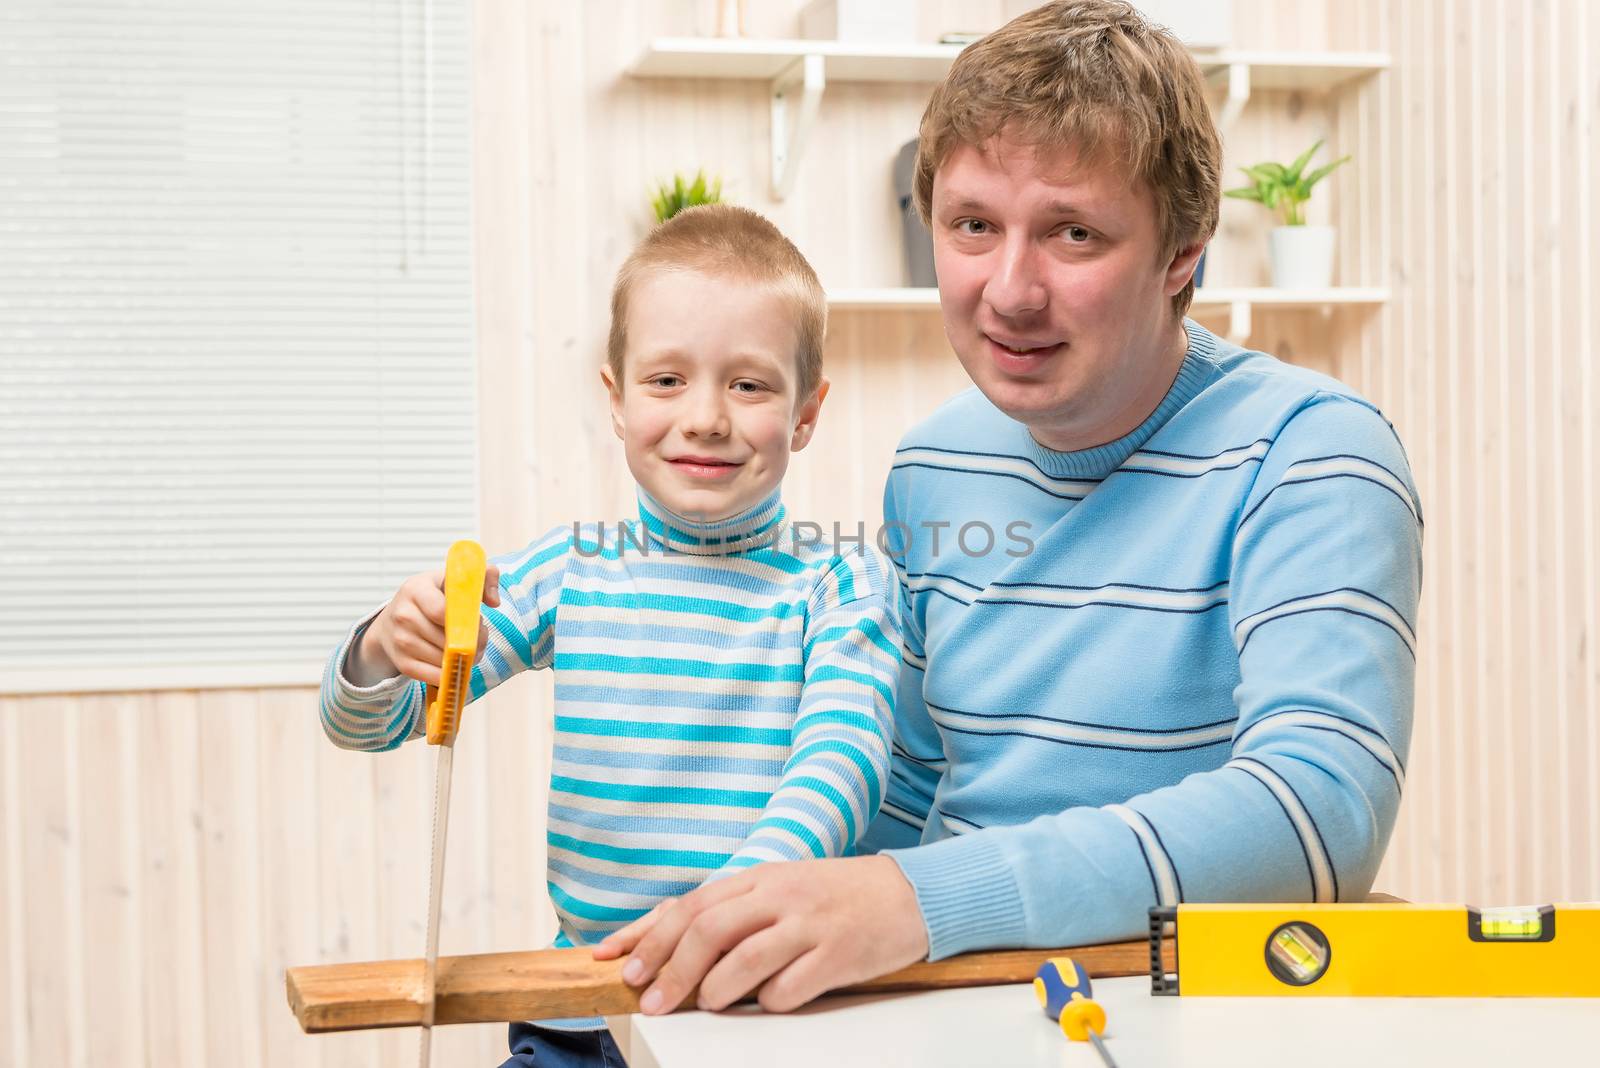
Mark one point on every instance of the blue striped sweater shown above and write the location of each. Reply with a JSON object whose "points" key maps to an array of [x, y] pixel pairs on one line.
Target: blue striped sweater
{"points": [[723, 696], [1183, 673]]}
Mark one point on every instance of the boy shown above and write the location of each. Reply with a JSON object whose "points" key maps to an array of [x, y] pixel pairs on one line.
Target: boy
{"points": [[724, 690]]}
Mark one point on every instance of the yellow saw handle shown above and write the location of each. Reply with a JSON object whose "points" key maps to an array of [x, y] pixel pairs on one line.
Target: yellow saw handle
{"points": [[464, 568]]}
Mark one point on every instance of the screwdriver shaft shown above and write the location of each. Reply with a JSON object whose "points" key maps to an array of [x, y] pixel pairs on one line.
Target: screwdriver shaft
{"points": [[1100, 1047]]}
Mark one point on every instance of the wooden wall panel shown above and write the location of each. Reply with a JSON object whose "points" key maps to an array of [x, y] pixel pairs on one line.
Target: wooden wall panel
{"points": [[1483, 140], [207, 840]]}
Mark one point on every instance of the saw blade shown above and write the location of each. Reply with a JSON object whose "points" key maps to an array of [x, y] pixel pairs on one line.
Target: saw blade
{"points": [[441, 823]]}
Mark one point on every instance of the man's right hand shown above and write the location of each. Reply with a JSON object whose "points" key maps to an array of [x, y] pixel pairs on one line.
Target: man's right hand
{"points": [[407, 637]]}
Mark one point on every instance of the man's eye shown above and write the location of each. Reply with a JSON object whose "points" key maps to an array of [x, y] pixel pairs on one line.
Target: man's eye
{"points": [[972, 226], [1077, 235]]}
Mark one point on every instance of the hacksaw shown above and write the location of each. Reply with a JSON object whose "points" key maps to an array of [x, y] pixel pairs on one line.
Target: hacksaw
{"points": [[463, 592]]}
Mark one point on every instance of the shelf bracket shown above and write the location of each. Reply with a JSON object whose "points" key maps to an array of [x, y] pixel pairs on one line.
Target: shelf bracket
{"points": [[1238, 95], [1239, 322], [800, 86]]}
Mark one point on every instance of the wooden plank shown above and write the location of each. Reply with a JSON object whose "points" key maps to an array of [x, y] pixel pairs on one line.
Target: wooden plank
{"points": [[559, 983], [229, 815], [177, 993], [47, 840], [288, 738], [112, 842], [15, 880]]}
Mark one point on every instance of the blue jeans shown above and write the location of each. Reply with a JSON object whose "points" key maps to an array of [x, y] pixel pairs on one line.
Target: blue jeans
{"points": [[533, 1046]]}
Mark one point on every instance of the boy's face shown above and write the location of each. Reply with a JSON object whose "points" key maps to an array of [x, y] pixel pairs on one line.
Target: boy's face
{"points": [[708, 407], [1055, 292]]}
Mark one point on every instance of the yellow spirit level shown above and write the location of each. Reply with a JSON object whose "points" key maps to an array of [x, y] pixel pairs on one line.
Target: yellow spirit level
{"points": [[1377, 950]]}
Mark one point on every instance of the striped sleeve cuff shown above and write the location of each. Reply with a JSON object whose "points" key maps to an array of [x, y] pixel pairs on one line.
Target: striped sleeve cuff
{"points": [[967, 893], [368, 718], [383, 691]]}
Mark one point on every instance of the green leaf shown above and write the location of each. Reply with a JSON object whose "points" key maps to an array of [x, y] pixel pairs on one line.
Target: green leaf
{"points": [[1293, 174], [1245, 193], [668, 201], [1320, 173], [1266, 172]]}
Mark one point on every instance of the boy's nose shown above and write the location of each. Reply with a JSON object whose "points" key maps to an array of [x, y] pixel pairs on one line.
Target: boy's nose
{"points": [[707, 416]]}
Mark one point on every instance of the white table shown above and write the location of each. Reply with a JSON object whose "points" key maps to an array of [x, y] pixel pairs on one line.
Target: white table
{"points": [[1002, 1025]]}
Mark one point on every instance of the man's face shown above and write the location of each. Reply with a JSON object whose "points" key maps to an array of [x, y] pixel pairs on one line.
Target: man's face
{"points": [[1055, 293], [708, 410]]}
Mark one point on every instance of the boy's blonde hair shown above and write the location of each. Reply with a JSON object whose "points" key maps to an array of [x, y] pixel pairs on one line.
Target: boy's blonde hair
{"points": [[735, 243], [1095, 77]]}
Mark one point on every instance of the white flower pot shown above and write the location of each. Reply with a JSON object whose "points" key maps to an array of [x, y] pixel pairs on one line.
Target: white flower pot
{"points": [[1302, 257]]}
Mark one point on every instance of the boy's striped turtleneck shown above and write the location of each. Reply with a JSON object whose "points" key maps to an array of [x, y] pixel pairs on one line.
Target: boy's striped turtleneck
{"points": [[755, 528], [723, 697]]}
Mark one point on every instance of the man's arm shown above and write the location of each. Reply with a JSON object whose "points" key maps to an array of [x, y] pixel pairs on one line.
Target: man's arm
{"points": [[1326, 575]]}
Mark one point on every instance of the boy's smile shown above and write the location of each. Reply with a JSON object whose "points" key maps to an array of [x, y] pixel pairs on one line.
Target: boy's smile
{"points": [[707, 408]]}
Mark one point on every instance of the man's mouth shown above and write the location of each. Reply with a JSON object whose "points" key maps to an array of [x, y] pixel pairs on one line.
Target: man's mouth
{"points": [[1020, 356], [1023, 348]]}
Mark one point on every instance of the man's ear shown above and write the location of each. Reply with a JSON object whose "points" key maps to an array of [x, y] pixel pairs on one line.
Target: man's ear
{"points": [[1181, 269], [614, 398], [805, 422]]}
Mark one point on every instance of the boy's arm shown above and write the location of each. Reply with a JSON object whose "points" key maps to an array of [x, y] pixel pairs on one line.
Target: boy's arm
{"points": [[834, 778], [1326, 575], [918, 758], [520, 636]]}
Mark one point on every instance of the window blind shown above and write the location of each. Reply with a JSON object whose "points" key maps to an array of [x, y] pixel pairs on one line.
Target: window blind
{"points": [[236, 366]]}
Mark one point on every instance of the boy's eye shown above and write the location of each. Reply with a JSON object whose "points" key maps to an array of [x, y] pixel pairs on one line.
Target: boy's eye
{"points": [[665, 381], [748, 387]]}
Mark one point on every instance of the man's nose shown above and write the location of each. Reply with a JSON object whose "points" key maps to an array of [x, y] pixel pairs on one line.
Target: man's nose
{"points": [[706, 413], [1016, 286]]}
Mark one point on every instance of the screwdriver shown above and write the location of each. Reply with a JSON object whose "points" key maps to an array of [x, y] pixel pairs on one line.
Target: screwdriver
{"points": [[1063, 989]]}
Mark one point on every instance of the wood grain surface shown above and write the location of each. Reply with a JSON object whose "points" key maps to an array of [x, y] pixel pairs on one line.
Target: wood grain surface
{"points": [[561, 983]]}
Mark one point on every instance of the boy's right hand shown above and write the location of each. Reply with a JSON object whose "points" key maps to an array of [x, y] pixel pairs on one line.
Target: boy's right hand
{"points": [[407, 637]]}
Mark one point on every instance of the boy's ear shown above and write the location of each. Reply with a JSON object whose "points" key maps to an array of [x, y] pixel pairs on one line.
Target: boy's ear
{"points": [[805, 422], [614, 398], [1181, 269]]}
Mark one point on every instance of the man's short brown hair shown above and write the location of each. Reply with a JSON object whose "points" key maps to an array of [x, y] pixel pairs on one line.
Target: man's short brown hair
{"points": [[1093, 77], [738, 244]]}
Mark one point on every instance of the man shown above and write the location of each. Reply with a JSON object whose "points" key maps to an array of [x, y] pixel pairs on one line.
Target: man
{"points": [[1195, 680]]}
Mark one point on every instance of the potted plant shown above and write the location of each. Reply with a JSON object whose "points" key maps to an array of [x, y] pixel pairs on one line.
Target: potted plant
{"points": [[668, 201], [1302, 256]]}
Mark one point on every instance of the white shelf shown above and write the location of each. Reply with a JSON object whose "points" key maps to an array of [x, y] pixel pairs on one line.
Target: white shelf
{"points": [[1312, 72], [907, 297], [1221, 297], [889, 298], [1238, 303], [1240, 72], [797, 72], [767, 58], [764, 60]]}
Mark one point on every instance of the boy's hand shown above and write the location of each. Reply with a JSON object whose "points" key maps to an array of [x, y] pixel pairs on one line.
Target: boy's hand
{"points": [[407, 637]]}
